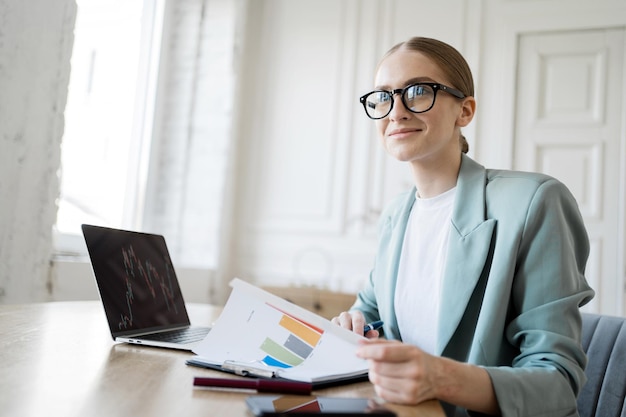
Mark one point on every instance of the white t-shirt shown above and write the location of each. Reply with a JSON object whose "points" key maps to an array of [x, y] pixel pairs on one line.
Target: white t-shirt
{"points": [[421, 269]]}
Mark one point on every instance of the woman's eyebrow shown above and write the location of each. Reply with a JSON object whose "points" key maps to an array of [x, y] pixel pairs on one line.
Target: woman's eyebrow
{"points": [[410, 81]]}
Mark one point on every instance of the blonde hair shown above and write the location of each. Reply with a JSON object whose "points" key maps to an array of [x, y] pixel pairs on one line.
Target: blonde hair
{"points": [[449, 60]]}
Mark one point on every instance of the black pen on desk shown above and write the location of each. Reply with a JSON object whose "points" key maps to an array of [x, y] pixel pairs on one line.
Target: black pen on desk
{"points": [[375, 325], [260, 385]]}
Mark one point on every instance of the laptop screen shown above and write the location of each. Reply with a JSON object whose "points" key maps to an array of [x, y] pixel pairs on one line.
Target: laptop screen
{"points": [[136, 280]]}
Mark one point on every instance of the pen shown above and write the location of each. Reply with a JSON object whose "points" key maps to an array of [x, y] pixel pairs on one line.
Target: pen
{"points": [[375, 325], [261, 385]]}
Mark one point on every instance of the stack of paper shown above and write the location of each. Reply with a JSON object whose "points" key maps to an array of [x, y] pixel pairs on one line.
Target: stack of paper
{"points": [[265, 335]]}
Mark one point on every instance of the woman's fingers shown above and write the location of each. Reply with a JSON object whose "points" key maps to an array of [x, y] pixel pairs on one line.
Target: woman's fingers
{"points": [[351, 320]]}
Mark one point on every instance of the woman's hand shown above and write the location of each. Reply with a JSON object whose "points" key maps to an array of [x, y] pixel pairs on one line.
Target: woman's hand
{"points": [[405, 374], [354, 321], [401, 373]]}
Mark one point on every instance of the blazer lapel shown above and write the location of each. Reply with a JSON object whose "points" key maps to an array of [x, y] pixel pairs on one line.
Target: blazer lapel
{"points": [[396, 241], [470, 240]]}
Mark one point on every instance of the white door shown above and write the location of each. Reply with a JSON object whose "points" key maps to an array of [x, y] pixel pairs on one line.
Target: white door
{"points": [[570, 124]]}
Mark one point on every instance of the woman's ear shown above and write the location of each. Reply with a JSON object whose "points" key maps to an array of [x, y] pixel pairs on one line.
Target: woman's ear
{"points": [[468, 108]]}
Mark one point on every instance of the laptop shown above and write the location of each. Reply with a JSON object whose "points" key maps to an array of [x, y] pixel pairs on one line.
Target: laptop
{"points": [[139, 289]]}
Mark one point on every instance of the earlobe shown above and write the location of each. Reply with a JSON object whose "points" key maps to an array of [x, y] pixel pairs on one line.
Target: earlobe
{"points": [[468, 108]]}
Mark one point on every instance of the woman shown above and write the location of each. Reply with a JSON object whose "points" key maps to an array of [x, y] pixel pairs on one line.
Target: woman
{"points": [[479, 273]]}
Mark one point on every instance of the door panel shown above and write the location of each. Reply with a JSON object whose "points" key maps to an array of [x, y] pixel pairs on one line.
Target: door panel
{"points": [[569, 124]]}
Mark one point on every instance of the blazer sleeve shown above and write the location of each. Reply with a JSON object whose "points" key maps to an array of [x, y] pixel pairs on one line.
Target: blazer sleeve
{"points": [[547, 290]]}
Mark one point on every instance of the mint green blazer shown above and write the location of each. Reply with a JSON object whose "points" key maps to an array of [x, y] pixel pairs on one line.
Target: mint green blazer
{"points": [[512, 286]]}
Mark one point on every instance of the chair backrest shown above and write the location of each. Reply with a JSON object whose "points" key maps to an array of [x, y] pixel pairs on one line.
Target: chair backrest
{"points": [[604, 340]]}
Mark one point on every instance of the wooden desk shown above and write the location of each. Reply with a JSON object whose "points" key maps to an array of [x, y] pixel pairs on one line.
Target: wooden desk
{"points": [[47, 369]]}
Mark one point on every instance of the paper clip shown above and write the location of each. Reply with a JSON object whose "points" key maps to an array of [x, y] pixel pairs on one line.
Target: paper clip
{"points": [[248, 369]]}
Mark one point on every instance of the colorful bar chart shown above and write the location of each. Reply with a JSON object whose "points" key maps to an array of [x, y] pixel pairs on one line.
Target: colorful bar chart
{"points": [[298, 345]]}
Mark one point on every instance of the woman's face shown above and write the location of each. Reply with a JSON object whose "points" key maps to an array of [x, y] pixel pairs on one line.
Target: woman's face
{"points": [[420, 137]]}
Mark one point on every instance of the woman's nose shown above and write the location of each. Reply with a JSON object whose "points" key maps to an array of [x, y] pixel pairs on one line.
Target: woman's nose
{"points": [[399, 110]]}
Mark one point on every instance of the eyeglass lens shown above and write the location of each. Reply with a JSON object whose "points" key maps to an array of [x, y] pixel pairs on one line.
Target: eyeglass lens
{"points": [[417, 98]]}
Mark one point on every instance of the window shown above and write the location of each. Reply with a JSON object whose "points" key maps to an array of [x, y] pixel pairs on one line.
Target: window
{"points": [[139, 160], [108, 116]]}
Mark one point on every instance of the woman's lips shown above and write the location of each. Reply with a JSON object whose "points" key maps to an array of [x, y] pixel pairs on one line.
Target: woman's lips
{"points": [[400, 133]]}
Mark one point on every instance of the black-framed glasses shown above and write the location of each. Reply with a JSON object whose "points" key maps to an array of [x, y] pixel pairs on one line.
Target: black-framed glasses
{"points": [[417, 98]]}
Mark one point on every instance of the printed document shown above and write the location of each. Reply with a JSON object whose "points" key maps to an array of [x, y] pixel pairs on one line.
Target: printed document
{"points": [[260, 333]]}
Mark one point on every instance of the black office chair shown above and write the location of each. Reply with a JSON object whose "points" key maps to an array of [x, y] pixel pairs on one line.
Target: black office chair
{"points": [[604, 340]]}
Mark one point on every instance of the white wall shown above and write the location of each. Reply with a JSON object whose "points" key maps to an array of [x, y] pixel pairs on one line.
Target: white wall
{"points": [[73, 280], [312, 178], [35, 48]]}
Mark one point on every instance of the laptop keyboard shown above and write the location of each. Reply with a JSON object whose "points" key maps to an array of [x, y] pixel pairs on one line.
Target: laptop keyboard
{"points": [[188, 335]]}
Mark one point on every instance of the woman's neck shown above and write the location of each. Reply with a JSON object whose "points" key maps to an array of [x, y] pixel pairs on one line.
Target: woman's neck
{"points": [[432, 178]]}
